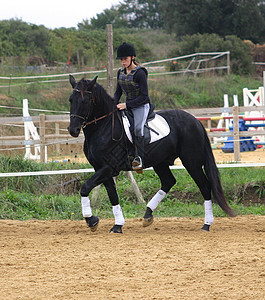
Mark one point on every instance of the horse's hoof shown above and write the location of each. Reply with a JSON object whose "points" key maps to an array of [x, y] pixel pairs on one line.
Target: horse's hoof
{"points": [[205, 227], [116, 229], [148, 221], [92, 223]]}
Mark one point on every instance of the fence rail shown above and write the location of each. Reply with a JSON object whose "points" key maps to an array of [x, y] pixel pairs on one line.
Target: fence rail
{"points": [[197, 64], [63, 120]]}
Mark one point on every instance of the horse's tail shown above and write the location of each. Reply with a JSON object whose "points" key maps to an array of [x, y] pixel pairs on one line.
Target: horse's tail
{"points": [[213, 176]]}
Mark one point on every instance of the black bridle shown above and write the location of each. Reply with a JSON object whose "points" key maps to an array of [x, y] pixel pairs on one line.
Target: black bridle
{"points": [[78, 116], [85, 119]]}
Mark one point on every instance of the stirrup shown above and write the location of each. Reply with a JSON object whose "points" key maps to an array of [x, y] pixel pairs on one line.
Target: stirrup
{"points": [[137, 164]]}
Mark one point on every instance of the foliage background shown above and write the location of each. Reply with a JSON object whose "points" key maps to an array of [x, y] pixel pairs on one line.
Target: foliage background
{"points": [[147, 24]]}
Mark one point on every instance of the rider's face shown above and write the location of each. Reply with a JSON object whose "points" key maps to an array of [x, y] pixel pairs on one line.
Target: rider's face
{"points": [[126, 61]]}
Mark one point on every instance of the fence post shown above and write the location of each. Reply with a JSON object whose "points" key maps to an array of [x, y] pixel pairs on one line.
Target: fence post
{"points": [[236, 134], [42, 137], [228, 63], [135, 187], [110, 63], [57, 132]]}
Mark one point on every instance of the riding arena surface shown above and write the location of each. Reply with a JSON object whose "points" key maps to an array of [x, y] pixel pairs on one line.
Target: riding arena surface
{"points": [[172, 259]]}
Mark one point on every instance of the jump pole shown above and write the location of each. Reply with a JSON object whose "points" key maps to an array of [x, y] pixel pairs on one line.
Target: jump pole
{"points": [[236, 134]]}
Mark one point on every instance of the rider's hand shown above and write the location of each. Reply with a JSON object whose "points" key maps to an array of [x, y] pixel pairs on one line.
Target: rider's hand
{"points": [[121, 106]]}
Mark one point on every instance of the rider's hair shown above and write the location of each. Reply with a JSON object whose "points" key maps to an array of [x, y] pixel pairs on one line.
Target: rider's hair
{"points": [[135, 62]]}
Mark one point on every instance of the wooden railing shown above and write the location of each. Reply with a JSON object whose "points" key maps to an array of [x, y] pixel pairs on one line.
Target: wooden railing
{"points": [[61, 122]]}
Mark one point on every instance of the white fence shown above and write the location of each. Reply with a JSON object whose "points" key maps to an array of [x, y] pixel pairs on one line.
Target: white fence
{"points": [[193, 65], [45, 139]]}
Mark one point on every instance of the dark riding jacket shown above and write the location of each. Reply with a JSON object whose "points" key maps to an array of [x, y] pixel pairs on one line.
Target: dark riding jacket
{"points": [[134, 86]]}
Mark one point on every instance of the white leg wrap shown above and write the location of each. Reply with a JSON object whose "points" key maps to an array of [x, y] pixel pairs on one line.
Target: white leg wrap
{"points": [[86, 208], [208, 208], [118, 215], [158, 197]]}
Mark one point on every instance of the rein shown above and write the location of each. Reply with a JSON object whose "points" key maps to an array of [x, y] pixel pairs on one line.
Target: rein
{"points": [[100, 118], [97, 119]]}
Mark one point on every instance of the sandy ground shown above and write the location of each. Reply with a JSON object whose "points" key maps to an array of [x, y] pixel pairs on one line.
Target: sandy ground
{"points": [[172, 259], [257, 156]]}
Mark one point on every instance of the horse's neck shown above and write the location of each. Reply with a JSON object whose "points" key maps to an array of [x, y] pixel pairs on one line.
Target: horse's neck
{"points": [[104, 104]]}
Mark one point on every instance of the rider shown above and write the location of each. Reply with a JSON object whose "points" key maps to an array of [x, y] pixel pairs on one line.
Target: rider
{"points": [[132, 81]]}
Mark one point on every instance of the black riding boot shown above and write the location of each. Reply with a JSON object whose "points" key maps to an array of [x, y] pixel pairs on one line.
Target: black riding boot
{"points": [[137, 164]]}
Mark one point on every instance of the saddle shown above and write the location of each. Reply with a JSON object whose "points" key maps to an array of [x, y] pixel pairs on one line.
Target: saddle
{"points": [[155, 128]]}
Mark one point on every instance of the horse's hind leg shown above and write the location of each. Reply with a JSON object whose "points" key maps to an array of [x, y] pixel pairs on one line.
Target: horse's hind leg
{"points": [[196, 172], [116, 208], [167, 181]]}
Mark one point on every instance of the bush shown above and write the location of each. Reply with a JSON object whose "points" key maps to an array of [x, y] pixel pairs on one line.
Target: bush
{"points": [[240, 52], [189, 91]]}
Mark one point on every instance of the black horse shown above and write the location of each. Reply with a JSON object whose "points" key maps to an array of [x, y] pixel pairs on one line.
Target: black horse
{"points": [[109, 151]]}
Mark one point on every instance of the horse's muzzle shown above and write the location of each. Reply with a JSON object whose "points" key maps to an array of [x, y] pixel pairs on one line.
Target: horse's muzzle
{"points": [[74, 131]]}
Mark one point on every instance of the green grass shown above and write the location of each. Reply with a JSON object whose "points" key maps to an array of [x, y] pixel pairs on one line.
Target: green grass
{"points": [[46, 197], [25, 206], [166, 92], [204, 91]]}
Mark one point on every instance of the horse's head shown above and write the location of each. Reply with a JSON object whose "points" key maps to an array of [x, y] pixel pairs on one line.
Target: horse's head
{"points": [[80, 104]]}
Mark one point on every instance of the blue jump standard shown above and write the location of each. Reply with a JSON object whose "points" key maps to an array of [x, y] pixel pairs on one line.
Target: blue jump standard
{"points": [[246, 144]]}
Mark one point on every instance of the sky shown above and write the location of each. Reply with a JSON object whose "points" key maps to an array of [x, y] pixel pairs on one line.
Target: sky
{"points": [[54, 13]]}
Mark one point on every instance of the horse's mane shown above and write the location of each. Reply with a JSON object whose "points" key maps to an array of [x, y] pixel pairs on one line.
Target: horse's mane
{"points": [[99, 95]]}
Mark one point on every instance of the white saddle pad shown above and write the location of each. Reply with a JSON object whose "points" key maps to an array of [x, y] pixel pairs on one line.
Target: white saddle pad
{"points": [[159, 128]]}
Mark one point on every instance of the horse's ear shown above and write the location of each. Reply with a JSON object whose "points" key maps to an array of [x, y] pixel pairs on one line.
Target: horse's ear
{"points": [[93, 82], [72, 81]]}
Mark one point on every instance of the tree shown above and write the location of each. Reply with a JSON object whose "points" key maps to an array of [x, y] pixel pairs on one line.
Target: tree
{"points": [[20, 38], [143, 14], [240, 52], [182, 16], [249, 20], [114, 16], [137, 14], [245, 19]]}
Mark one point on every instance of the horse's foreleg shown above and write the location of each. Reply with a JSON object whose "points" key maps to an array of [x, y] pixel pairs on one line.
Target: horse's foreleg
{"points": [[96, 179], [116, 208], [92, 221], [151, 206], [167, 181]]}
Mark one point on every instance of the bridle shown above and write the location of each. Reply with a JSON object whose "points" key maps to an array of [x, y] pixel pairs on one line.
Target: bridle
{"points": [[78, 116], [86, 123]]}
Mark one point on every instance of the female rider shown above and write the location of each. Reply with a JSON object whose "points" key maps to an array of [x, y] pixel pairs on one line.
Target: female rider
{"points": [[132, 81]]}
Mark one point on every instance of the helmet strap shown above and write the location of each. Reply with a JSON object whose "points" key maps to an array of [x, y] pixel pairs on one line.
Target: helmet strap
{"points": [[131, 62]]}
